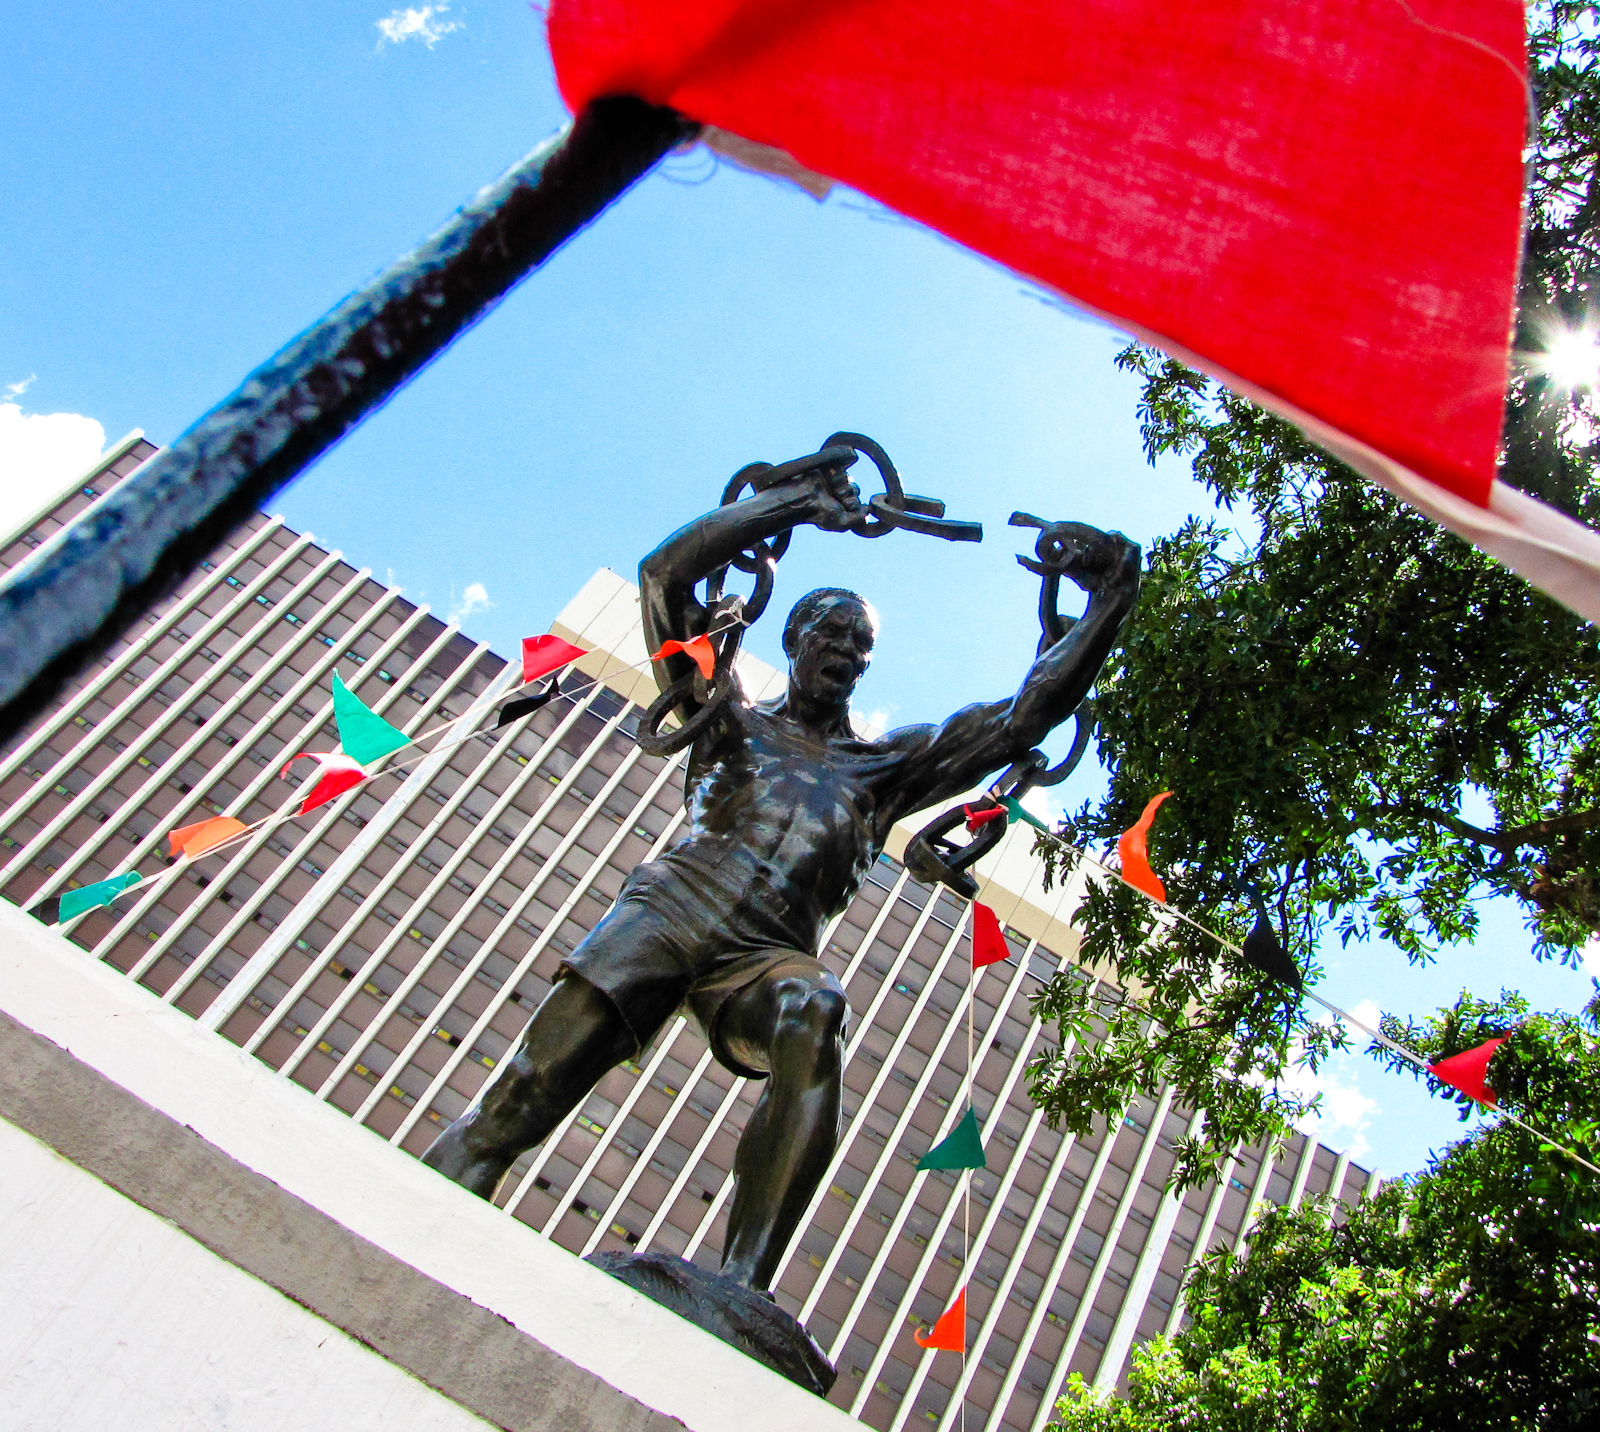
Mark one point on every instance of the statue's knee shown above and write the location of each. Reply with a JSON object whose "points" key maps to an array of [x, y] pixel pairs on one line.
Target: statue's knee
{"points": [[815, 1013]]}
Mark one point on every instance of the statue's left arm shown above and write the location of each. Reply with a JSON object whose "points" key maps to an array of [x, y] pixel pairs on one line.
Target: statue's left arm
{"points": [[946, 760]]}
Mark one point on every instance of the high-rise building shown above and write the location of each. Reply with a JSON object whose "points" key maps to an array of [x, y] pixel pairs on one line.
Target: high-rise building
{"points": [[383, 953]]}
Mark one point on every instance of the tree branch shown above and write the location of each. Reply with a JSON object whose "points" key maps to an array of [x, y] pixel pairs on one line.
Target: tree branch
{"points": [[1505, 841]]}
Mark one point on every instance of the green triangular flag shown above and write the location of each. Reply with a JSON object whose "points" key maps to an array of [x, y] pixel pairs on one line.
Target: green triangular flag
{"points": [[102, 892], [963, 1148], [365, 735], [1016, 812]]}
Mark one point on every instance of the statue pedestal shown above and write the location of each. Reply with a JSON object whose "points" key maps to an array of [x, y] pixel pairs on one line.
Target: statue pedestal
{"points": [[740, 1316]]}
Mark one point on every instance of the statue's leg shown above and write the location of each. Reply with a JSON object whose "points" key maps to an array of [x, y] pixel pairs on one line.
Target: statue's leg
{"points": [[797, 1022], [574, 1037]]}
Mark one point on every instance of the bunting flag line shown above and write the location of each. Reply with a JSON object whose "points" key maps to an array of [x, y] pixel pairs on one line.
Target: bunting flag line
{"points": [[193, 840], [1266, 958], [962, 1147], [988, 939], [336, 774], [543, 654], [89, 897], [949, 1334], [1135, 853], [699, 650], [365, 735], [1467, 1071]]}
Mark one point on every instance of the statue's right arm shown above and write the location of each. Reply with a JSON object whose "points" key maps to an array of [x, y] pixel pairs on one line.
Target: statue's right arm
{"points": [[667, 577]]}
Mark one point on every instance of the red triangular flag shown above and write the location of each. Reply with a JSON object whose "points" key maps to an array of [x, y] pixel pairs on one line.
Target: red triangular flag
{"points": [[950, 1332], [543, 654], [988, 944], [699, 651], [977, 819], [337, 774], [1465, 1071], [1136, 854], [192, 840]]}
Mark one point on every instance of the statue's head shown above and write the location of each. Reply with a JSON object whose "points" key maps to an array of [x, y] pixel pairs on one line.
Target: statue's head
{"points": [[828, 640]]}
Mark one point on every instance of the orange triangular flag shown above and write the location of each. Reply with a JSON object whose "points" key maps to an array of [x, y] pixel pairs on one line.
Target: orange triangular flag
{"points": [[950, 1332], [1136, 854], [699, 651], [988, 943], [1466, 1071], [196, 839]]}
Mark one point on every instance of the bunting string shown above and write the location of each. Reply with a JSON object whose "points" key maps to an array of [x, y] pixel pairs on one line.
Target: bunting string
{"points": [[372, 739], [1444, 1069]]}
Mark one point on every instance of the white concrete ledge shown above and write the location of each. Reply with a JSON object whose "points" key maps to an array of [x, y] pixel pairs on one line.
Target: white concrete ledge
{"points": [[495, 1317]]}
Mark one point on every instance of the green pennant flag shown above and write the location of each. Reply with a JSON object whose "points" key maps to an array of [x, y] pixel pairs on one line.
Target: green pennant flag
{"points": [[963, 1148], [90, 897], [365, 735], [1015, 811]]}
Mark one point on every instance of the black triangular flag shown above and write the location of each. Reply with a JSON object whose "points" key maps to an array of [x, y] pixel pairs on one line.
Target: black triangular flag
{"points": [[516, 710], [1263, 953]]}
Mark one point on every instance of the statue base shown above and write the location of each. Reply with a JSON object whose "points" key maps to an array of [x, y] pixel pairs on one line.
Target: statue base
{"points": [[740, 1316]]}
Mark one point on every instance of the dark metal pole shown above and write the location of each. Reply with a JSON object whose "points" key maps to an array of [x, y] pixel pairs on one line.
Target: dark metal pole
{"points": [[75, 593]]}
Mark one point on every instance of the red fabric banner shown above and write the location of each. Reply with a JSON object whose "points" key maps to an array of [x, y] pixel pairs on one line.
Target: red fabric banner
{"points": [[699, 650], [1304, 200], [1466, 1071], [988, 940], [543, 654], [1132, 847], [950, 1332]]}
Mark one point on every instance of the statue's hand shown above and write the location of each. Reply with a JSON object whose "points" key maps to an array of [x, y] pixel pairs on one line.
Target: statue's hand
{"points": [[1109, 563], [835, 500]]}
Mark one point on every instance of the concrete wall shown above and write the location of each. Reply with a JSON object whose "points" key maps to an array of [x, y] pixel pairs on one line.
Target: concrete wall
{"points": [[192, 1241]]}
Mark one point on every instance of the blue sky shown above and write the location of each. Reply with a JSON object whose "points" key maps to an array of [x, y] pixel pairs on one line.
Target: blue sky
{"points": [[186, 187]]}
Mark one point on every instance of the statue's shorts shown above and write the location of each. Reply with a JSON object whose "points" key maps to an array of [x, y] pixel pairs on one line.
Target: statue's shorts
{"points": [[690, 934]]}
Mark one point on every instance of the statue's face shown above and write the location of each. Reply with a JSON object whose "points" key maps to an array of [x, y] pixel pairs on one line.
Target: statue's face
{"points": [[833, 650]]}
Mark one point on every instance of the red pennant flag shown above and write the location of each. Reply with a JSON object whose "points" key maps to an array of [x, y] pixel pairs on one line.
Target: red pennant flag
{"points": [[1136, 854], [950, 1332], [193, 840], [543, 654], [699, 651], [337, 774], [988, 943], [977, 819], [1466, 1071], [1030, 130]]}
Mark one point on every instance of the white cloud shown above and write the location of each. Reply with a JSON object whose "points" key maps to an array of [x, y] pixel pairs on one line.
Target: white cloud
{"points": [[416, 22], [39, 454], [1591, 957], [1346, 1113], [16, 390], [474, 599]]}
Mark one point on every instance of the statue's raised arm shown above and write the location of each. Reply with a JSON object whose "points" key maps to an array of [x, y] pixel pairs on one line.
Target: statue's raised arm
{"points": [[941, 761], [820, 496]]}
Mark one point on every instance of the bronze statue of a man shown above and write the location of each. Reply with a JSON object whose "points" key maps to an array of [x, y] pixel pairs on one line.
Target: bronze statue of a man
{"points": [[787, 811]]}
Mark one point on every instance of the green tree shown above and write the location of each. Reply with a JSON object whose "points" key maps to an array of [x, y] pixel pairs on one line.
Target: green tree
{"points": [[1334, 689], [1467, 1296]]}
